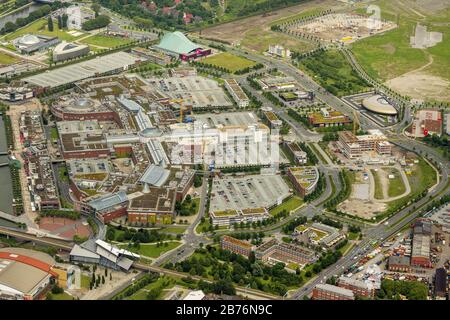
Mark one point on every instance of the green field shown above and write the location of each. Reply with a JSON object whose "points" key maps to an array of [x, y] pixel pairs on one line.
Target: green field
{"points": [[152, 250], [7, 59], [378, 189], [178, 230], [39, 27], [333, 72], [61, 296], [105, 41], [396, 185], [229, 61], [389, 55], [163, 282], [259, 40], [289, 205]]}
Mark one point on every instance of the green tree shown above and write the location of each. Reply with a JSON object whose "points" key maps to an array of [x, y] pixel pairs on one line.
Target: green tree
{"points": [[50, 24]]}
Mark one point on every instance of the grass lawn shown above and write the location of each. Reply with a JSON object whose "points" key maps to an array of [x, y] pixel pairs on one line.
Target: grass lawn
{"points": [[7, 59], [289, 205], [85, 281], [62, 296], [353, 235], [423, 177], [63, 175], [105, 41], [396, 185], [229, 61], [347, 247], [178, 230], [54, 133], [152, 250], [203, 226], [378, 189], [39, 27], [389, 55]]}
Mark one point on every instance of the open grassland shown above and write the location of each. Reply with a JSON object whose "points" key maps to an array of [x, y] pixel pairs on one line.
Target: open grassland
{"points": [[7, 59], [39, 27], [153, 250], [378, 188], [420, 73], [396, 185], [259, 41], [229, 61], [105, 41]]}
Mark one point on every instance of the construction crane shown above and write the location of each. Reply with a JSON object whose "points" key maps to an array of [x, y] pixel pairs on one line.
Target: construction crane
{"points": [[182, 107], [356, 123]]}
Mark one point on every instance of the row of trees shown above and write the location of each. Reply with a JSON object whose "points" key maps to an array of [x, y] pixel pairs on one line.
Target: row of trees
{"points": [[62, 22], [100, 21]]}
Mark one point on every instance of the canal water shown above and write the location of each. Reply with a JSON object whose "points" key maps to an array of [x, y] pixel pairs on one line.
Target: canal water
{"points": [[23, 13], [6, 194]]}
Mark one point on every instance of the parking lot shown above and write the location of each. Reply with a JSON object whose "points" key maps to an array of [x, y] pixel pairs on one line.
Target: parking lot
{"points": [[247, 192]]}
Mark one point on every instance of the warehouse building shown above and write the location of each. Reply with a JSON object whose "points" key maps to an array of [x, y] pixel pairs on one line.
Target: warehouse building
{"points": [[102, 65]]}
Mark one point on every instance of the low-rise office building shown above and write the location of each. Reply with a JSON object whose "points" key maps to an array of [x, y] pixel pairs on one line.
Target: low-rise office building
{"points": [[330, 292], [235, 245], [237, 93], [304, 179]]}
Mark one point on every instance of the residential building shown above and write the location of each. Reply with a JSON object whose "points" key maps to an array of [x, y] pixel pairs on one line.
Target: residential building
{"points": [[235, 245], [330, 292]]}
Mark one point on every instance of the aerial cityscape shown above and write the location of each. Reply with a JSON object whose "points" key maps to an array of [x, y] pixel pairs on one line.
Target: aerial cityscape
{"points": [[224, 150]]}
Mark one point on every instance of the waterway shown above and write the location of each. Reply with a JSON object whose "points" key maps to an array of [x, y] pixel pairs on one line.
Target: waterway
{"points": [[6, 194], [22, 13]]}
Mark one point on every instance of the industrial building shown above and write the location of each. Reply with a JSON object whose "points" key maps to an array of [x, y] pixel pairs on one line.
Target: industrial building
{"points": [[426, 122], [102, 65], [421, 244], [66, 51], [237, 93], [358, 287]]}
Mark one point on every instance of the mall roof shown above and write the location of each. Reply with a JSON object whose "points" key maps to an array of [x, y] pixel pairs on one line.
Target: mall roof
{"points": [[82, 70], [176, 42], [22, 270], [155, 175], [109, 200]]}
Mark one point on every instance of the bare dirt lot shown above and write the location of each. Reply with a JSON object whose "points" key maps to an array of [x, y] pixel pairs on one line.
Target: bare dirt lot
{"points": [[421, 86], [234, 32], [335, 27]]}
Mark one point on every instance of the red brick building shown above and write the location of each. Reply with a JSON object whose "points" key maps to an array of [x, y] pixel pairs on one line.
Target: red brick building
{"points": [[235, 245], [330, 292]]}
